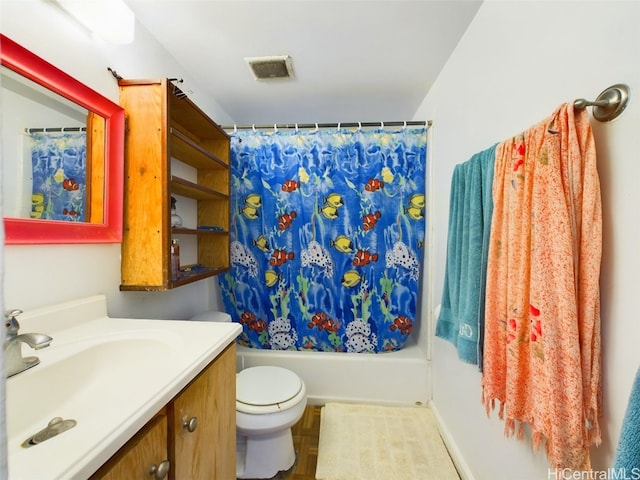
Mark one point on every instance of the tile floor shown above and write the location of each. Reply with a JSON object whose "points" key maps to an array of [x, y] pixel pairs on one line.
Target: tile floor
{"points": [[306, 434]]}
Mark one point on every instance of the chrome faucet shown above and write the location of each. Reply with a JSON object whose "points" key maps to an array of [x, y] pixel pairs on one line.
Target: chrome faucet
{"points": [[14, 361]]}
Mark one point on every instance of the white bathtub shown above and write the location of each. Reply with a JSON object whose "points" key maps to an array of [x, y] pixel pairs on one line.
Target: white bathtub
{"points": [[395, 378]]}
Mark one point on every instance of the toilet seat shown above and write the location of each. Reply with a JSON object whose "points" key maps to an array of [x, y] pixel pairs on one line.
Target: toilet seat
{"points": [[267, 389]]}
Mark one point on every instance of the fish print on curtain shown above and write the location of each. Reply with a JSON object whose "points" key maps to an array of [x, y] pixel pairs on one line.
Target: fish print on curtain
{"points": [[327, 238]]}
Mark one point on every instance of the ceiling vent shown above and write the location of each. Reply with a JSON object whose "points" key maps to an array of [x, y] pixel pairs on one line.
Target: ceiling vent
{"points": [[266, 68]]}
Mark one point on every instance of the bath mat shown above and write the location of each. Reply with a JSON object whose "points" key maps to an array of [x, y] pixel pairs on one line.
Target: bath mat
{"points": [[368, 442]]}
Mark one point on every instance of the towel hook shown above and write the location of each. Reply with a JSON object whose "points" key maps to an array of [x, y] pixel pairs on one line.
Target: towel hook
{"points": [[609, 104]]}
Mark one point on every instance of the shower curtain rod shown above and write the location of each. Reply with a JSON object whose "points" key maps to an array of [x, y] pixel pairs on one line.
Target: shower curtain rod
{"points": [[316, 126], [55, 129]]}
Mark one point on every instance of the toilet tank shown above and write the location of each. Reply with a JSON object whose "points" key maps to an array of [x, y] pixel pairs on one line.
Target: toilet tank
{"points": [[211, 316]]}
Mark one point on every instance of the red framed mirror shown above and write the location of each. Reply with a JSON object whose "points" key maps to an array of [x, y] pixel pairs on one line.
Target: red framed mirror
{"points": [[101, 185]]}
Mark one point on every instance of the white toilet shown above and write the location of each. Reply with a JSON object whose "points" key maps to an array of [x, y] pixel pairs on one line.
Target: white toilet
{"points": [[269, 401]]}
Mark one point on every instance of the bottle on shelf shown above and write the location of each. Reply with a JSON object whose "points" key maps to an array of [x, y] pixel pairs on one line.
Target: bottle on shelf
{"points": [[176, 220], [175, 259]]}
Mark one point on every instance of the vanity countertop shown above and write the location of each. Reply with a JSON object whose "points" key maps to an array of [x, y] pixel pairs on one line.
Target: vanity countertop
{"points": [[110, 375]]}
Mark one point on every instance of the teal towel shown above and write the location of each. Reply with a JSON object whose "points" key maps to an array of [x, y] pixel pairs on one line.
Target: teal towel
{"points": [[628, 453], [461, 319]]}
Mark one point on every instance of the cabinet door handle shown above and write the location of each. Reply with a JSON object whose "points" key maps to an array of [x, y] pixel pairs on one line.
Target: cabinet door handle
{"points": [[190, 424], [160, 471]]}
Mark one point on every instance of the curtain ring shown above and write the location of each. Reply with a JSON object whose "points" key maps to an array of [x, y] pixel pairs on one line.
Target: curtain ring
{"points": [[381, 124], [235, 128], [338, 126], [275, 127], [359, 126], [404, 127], [316, 127], [253, 126], [296, 128]]}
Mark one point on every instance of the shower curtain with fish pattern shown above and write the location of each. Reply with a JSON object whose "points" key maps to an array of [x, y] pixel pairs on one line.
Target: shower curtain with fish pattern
{"points": [[327, 235]]}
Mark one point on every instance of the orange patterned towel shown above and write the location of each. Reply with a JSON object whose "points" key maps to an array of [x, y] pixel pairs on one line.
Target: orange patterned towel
{"points": [[542, 315]]}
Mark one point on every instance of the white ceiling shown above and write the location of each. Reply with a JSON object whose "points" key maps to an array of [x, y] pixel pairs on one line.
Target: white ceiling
{"points": [[353, 61]]}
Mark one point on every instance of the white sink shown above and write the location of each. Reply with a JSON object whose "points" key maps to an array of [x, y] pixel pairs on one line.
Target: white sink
{"points": [[110, 375], [70, 376]]}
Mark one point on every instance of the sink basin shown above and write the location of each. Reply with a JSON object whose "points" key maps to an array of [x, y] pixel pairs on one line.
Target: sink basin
{"points": [[110, 375], [70, 376]]}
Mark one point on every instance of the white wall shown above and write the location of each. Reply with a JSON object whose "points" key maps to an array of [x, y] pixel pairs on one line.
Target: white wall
{"points": [[516, 63], [40, 275]]}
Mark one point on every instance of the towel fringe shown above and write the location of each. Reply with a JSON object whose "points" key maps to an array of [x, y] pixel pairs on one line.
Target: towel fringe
{"points": [[509, 427], [514, 427], [538, 437], [489, 404]]}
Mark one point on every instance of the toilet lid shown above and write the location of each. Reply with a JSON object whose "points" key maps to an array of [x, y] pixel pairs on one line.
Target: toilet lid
{"points": [[266, 385]]}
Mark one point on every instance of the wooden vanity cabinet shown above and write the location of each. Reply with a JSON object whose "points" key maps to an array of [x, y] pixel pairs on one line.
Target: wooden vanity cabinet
{"points": [[200, 449], [209, 451], [145, 456], [164, 126]]}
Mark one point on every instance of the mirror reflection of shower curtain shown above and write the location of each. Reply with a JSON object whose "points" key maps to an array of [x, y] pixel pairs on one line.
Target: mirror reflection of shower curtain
{"points": [[59, 171], [327, 238]]}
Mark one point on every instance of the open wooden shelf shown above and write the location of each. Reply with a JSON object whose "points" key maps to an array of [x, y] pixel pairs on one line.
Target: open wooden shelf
{"points": [[162, 126]]}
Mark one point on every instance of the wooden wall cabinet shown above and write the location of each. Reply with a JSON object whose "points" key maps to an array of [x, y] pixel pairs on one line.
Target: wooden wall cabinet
{"points": [[163, 124], [193, 437]]}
